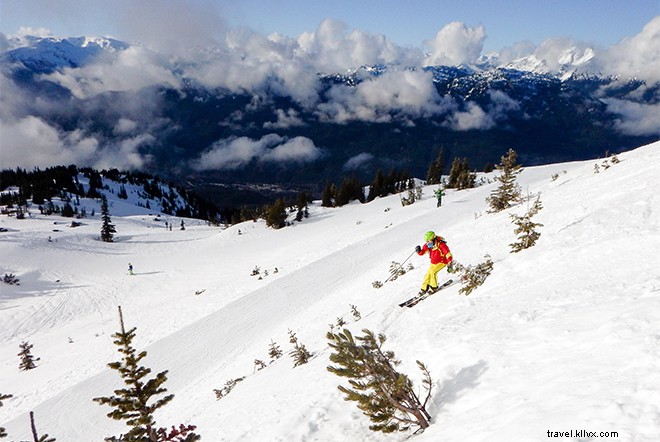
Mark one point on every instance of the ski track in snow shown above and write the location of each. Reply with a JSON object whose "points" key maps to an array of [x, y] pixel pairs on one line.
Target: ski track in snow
{"points": [[562, 336]]}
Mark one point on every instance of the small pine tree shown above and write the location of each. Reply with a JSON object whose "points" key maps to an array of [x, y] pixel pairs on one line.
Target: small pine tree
{"points": [[2, 398], [299, 354], [274, 351], [35, 435], [508, 191], [383, 394], [27, 359], [107, 228], [526, 228], [132, 403]]}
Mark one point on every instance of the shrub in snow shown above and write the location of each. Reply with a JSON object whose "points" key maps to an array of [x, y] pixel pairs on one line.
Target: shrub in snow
{"points": [[508, 192], [10, 279], [27, 359], [2, 398], [259, 365], [526, 228], [356, 314], [299, 353], [229, 386], [383, 394], [473, 276], [136, 404], [376, 284]]}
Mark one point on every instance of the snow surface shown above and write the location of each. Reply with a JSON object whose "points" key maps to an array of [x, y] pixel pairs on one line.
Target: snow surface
{"points": [[563, 336]]}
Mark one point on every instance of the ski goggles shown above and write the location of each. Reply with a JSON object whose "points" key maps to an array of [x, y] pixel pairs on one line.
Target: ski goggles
{"points": [[430, 244]]}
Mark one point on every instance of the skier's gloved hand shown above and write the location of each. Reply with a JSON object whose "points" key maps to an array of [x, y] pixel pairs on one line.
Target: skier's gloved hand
{"points": [[418, 249]]}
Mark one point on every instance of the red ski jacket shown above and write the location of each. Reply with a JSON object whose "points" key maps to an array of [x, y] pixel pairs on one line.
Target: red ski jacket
{"points": [[439, 253]]}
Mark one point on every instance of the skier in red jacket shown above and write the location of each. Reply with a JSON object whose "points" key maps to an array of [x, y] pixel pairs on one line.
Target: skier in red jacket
{"points": [[440, 257]]}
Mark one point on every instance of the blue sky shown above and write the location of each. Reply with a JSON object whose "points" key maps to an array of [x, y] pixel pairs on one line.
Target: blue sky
{"points": [[406, 23]]}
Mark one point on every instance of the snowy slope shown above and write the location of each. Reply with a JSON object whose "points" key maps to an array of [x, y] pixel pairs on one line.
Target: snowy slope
{"points": [[563, 336]]}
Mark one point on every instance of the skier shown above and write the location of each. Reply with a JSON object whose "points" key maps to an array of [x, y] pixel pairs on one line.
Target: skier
{"points": [[130, 268], [440, 256], [439, 194]]}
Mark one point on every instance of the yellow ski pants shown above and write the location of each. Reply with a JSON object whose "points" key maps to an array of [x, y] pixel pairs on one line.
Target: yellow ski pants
{"points": [[431, 277]]}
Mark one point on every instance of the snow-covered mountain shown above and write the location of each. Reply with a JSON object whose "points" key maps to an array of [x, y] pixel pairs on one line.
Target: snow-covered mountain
{"points": [[46, 54], [561, 337]]}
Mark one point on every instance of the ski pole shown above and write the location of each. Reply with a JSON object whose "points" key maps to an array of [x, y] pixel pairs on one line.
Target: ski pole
{"points": [[400, 265]]}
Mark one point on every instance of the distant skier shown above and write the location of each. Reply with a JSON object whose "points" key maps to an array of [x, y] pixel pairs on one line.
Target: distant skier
{"points": [[130, 268], [440, 256], [439, 193]]}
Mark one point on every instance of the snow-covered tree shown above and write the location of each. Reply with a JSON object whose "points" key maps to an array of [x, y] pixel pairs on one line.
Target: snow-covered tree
{"points": [[526, 228], [27, 359], [136, 404], [508, 192], [383, 394], [107, 228]]}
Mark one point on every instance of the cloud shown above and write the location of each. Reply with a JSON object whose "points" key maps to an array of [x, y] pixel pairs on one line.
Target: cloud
{"points": [[455, 44], [235, 153], [331, 48], [406, 93], [358, 161], [473, 118], [637, 56], [49, 146], [635, 118], [130, 70], [285, 119]]}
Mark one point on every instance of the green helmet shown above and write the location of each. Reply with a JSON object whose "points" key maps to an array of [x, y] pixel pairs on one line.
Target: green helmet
{"points": [[428, 236]]}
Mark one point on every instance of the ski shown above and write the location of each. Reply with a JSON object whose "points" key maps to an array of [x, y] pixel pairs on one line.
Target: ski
{"points": [[418, 298]]}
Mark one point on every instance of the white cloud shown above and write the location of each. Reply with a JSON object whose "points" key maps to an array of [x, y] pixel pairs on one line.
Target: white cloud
{"points": [[234, 153], [473, 118], [635, 118], [637, 56], [31, 142], [406, 93], [357, 161], [285, 119], [455, 44], [129, 70]]}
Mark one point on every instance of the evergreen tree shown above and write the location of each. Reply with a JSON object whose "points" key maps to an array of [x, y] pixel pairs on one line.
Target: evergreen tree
{"points": [[328, 195], [377, 187], [436, 169], [276, 215], [351, 189], [107, 228], [2, 398], [134, 403], [27, 359], [383, 394], [460, 176], [526, 228], [508, 191]]}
